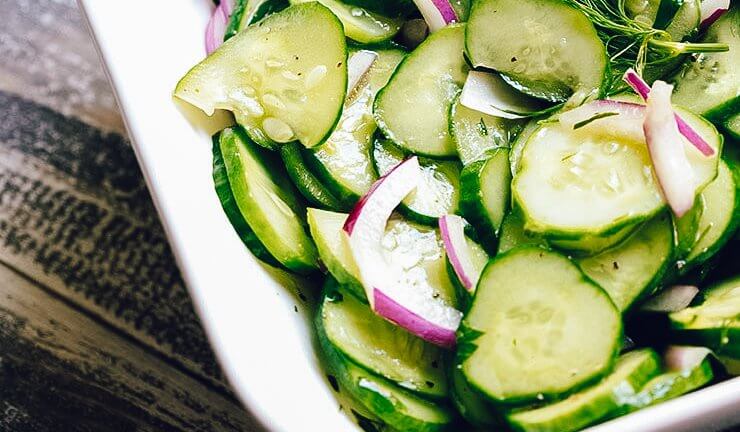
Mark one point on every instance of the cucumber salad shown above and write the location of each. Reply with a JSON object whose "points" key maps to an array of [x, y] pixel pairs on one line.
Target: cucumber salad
{"points": [[523, 214]]}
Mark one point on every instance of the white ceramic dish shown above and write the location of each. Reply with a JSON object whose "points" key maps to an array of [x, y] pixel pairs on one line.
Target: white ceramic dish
{"points": [[264, 347]]}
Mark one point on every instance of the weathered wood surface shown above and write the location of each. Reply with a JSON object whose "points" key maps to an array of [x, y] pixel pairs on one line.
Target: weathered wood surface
{"points": [[97, 332]]}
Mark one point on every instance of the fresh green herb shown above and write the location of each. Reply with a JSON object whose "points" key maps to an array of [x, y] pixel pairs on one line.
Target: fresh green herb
{"points": [[631, 43], [466, 338], [482, 127], [595, 117]]}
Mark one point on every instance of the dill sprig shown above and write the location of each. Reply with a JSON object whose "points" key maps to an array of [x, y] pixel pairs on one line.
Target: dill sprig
{"points": [[632, 44]]}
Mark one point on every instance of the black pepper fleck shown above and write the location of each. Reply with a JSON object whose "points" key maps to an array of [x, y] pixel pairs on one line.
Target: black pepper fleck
{"points": [[513, 59], [615, 265]]}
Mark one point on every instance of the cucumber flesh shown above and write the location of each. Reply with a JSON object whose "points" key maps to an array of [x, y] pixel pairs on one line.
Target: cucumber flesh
{"points": [[486, 194], [686, 228], [708, 84], [413, 109], [714, 322], [636, 267], [228, 203], [418, 245], [398, 408], [380, 346], [304, 180], [438, 191], [517, 147], [672, 384], [267, 201], [326, 231], [719, 219], [732, 127], [589, 245], [538, 329], [476, 133], [248, 12], [513, 234], [281, 83], [361, 25], [344, 163], [685, 22], [556, 54], [603, 400], [564, 175], [471, 404]]}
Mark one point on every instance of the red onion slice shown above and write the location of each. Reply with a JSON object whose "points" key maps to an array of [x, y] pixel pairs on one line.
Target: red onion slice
{"points": [[682, 358], [216, 27], [437, 13], [392, 293], [672, 299], [672, 168], [490, 94], [452, 230], [711, 10], [357, 67], [643, 89]]}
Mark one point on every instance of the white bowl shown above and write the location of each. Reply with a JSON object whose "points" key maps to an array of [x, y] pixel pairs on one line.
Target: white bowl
{"points": [[265, 348]]}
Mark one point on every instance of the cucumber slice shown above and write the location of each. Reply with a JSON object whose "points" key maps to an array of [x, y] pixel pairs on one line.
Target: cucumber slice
{"points": [[326, 231], [248, 12], [672, 384], [486, 194], [438, 192], [602, 401], [719, 220], [309, 186], [708, 83], [398, 408], [589, 245], [267, 202], [281, 83], [537, 61], [386, 7], [513, 234], [714, 322], [538, 329], [470, 404], [413, 109], [636, 267], [517, 147], [685, 22], [418, 245], [228, 203], [343, 163], [686, 228], [380, 346], [361, 25], [596, 180], [476, 133]]}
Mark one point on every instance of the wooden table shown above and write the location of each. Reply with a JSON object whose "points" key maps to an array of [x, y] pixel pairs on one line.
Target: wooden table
{"points": [[97, 332]]}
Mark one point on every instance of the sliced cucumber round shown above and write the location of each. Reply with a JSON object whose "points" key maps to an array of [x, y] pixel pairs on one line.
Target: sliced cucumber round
{"points": [[596, 180], [685, 22], [360, 24], [413, 109], [713, 321], [248, 12], [267, 201], [544, 48], [538, 329], [476, 133], [672, 384], [513, 234], [590, 244], [417, 245], [732, 126], [304, 180], [708, 83], [636, 267], [517, 146], [686, 228], [326, 231], [281, 83], [602, 401], [380, 346], [228, 203], [344, 163], [719, 220], [486, 194], [472, 405], [398, 408], [438, 191]]}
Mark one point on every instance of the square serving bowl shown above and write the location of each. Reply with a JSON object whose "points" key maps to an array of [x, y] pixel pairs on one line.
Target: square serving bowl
{"points": [[265, 348]]}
